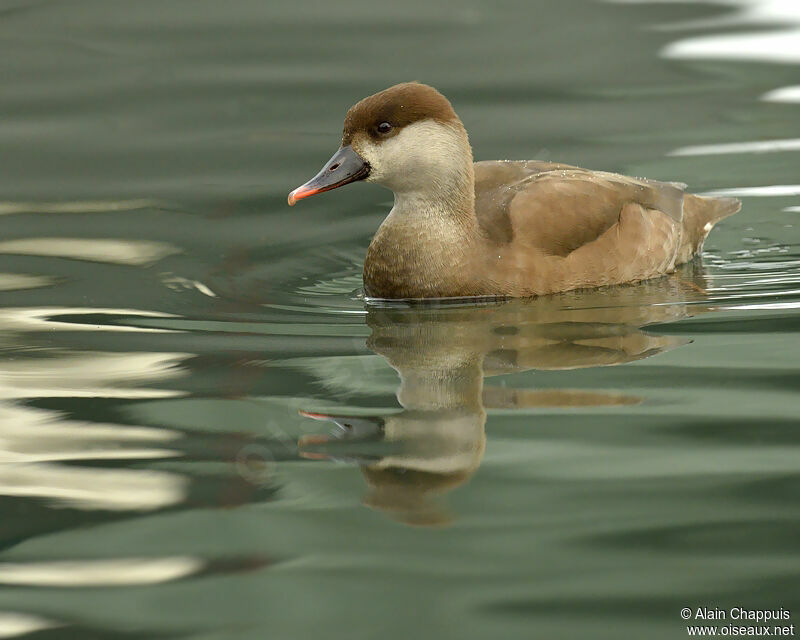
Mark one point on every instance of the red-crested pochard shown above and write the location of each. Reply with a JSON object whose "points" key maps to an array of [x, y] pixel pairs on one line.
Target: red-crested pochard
{"points": [[501, 228]]}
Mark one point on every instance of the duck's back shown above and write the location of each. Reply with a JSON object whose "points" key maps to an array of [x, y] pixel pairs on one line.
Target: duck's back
{"points": [[577, 228]]}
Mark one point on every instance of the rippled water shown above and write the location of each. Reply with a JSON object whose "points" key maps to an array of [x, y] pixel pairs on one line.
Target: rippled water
{"points": [[206, 433]]}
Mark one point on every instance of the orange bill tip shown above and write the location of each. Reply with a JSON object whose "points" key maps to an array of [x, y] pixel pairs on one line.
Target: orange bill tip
{"points": [[313, 416], [300, 193]]}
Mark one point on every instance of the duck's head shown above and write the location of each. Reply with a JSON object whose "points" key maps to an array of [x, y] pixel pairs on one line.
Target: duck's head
{"points": [[406, 138]]}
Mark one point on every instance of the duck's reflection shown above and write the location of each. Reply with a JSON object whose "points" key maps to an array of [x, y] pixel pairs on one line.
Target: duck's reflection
{"points": [[443, 355], [60, 472]]}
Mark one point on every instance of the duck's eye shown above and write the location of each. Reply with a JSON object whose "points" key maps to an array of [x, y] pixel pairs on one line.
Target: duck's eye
{"points": [[384, 127]]}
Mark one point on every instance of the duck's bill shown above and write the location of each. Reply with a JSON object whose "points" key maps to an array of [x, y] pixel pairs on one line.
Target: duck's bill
{"points": [[351, 427], [344, 167], [352, 441]]}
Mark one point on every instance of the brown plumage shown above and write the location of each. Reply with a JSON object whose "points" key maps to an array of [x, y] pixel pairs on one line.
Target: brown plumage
{"points": [[503, 228], [402, 105]]}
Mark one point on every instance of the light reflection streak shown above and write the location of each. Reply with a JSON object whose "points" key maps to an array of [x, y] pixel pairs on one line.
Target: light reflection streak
{"points": [[117, 572], [89, 374], [38, 435], [108, 250], [766, 191], [784, 94], [91, 489], [756, 146], [45, 319], [768, 305], [21, 281], [78, 206], [13, 624]]}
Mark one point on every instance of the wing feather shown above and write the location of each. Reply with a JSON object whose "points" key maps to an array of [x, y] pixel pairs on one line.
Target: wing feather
{"points": [[558, 208]]}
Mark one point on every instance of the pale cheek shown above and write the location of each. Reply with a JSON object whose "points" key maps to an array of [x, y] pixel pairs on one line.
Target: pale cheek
{"points": [[370, 153], [418, 156], [390, 161]]}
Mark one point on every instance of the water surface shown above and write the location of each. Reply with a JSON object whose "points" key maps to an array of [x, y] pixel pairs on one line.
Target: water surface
{"points": [[206, 433]]}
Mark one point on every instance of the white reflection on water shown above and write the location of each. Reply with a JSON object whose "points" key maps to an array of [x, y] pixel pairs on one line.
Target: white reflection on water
{"points": [[782, 44], [20, 281], [176, 283], [32, 440], [769, 305], [79, 206], [109, 250], [757, 146], [46, 319], [89, 374], [99, 573], [776, 40], [91, 489], [38, 435], [775, 190], [13, 624], [784, 94]]}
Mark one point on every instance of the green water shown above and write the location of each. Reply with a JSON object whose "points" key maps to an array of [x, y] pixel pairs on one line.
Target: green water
{"points": [[581, 466]]}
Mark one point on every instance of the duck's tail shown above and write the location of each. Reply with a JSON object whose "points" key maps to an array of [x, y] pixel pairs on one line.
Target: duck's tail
{"points": [[700, 214]]}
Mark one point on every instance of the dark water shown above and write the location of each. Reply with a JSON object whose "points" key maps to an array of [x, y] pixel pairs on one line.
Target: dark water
{"points": [[169, 328]]}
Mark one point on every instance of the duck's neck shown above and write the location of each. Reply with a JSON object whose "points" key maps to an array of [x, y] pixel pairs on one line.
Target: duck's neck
{"points": [[446, 194], [441, 389], [422, 249]]}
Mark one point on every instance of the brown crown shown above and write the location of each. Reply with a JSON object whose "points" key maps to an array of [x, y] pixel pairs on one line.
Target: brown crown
{"points": [[400, 105]]}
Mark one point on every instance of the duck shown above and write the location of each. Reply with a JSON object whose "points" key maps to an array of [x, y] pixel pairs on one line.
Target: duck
{"points": [[503, 228]]}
